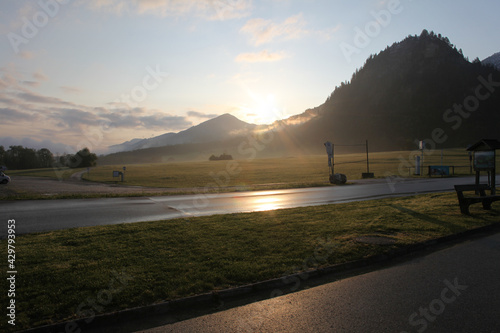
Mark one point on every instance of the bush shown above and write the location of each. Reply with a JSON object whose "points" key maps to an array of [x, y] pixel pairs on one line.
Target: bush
{"points": [[223, 157]]}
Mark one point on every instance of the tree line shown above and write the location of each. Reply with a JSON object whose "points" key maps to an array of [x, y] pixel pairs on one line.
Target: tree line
{"points": [[19, 158], [223, 157]]}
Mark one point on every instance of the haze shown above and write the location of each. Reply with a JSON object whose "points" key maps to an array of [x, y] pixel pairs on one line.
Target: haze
{"points": [[107, 71]]}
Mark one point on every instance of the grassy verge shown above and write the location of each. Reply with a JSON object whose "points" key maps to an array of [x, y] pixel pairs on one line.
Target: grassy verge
{"points": [[121, 266]]}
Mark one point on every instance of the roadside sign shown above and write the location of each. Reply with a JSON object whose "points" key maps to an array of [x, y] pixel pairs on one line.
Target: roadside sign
{"points": [[439, 170], [118, 174], [484, 160], [421, 145], [329, 148]]}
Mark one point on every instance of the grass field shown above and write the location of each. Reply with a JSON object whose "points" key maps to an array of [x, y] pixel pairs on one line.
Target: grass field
{"points": [[129, 265], [240, 175], [294, 171]]}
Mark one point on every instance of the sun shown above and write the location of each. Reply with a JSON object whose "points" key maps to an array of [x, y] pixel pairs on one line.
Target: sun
{"points": [[265, 110]]}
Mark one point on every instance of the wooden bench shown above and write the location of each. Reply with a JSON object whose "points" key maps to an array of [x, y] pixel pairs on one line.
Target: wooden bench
{"points": [[480, 189]]}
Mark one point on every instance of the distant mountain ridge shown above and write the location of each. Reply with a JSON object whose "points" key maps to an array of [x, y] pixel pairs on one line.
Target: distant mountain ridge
{"points": [[216, 129], [493, 60]]}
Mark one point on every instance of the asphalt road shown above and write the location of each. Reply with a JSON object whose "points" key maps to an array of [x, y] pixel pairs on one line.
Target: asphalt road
{"points": [[451, 290], [46, 215]]}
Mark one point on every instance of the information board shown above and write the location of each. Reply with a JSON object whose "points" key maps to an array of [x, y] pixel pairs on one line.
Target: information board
{"points": [[484, 160]]}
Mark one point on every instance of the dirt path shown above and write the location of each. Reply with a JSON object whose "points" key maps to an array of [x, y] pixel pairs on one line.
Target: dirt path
{"points": [[77, 176]]}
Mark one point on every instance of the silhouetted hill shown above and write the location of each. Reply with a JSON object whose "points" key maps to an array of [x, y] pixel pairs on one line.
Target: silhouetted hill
{"points": [[216, 129], [406, 93]]}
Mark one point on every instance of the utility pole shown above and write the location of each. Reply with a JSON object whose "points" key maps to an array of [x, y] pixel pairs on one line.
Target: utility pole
{"points": [[330, 151], [367, 161]]}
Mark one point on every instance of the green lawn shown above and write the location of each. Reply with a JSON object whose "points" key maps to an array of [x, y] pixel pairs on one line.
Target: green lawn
{"points": [[297, 171], [238, 175], [293, 171], [58, 272]]}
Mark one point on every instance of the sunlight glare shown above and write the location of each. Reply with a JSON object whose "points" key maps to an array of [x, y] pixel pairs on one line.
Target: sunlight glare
{"points": [[265, 110], [264, 204]]}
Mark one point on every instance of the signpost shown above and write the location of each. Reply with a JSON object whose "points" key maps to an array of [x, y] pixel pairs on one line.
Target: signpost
{"points": [[421, 146], [329, 150], [118, 174], [367, 174], [334, 178], [417, 165], [484, 157]]}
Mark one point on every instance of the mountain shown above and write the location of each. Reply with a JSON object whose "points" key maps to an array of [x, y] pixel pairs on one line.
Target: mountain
{"points": [[421, 88], [216, 129], [416, 89], [123, 146], [493, 60]]}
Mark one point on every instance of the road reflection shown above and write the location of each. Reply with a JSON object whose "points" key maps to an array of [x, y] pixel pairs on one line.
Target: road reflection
{"points": [[263, 204]]}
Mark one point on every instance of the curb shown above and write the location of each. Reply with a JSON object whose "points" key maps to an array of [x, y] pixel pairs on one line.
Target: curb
{"points": [[215, 299]]}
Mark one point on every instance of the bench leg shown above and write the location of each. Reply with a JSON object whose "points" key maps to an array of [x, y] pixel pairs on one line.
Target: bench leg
{"points": [[464, 207], [463, 203], [487, 204]]}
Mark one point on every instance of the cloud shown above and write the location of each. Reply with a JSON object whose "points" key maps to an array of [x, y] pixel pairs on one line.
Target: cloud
{"points": [[7, 100], [54, 147], [36, 98], [142, 118], [164, 121], [26, 55], [7, 80], [207, 9], [70, 90], [196, 114], [136, 118], [230, 9], [49, 117], [328, 34], [30, 83], [13, 115], [114, 6], [266, 31], [40, 76], [262, 56], [73, 118], [263, 31]]}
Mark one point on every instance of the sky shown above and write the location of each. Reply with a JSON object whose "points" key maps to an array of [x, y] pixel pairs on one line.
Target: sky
{"points": [[94, 73]]}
